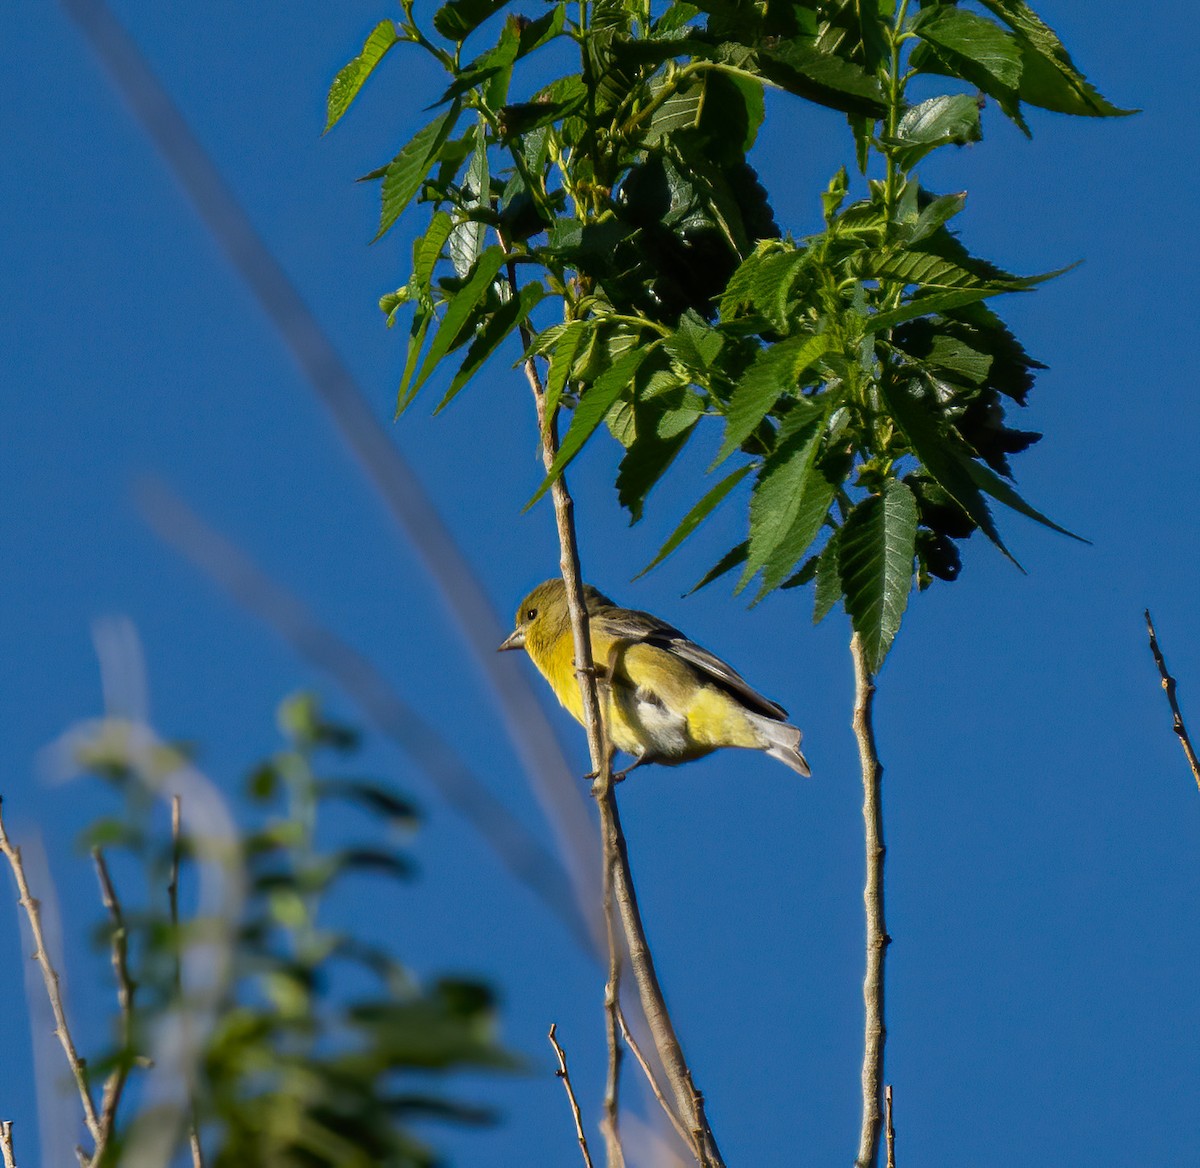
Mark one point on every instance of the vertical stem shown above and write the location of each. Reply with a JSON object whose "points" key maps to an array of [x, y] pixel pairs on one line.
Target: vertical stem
{"points": [[612, 1001], [688, 1100], [877, 935]]}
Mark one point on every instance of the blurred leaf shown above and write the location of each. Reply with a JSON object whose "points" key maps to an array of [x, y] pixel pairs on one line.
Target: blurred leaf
{"points": [[373, 797], [875, 561], [351, 77]]}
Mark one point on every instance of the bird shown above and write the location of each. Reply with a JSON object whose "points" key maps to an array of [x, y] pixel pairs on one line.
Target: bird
{"points": [[664, 699]]}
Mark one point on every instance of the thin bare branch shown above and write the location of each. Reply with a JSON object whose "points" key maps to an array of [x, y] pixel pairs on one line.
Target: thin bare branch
{"points": [[6, 1144], [455, 583], [225, 563], [615, 854], [565, 1076], [1169, 685], [50, 978], [877, 934], [889, 1128], [668, 1110], [114, 1085]]}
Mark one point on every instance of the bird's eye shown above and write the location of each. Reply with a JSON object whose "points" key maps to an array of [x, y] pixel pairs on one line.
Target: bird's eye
{"points": [[530, 613]]}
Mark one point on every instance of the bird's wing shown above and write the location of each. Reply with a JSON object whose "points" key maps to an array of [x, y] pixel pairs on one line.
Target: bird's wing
{"points": [[625, 624]]}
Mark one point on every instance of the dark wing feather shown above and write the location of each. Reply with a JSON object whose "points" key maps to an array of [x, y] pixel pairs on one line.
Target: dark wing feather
{"points": [[631, 625]]}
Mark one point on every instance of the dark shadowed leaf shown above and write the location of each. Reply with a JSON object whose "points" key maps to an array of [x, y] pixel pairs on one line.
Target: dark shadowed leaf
{"points": [[458, 19]]}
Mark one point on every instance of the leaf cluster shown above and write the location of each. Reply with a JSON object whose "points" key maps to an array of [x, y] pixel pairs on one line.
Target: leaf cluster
{"points": [[861, 382], [323, 1044]]}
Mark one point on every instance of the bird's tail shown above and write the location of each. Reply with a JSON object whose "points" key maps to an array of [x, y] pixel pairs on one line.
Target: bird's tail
{"points": [[781, 740]]}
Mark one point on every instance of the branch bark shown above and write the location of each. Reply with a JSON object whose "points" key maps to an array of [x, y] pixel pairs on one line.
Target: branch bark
{"points": [[6, 1144], [564, 1075], [1169, 685], [50, 977], [875, 1032], [688, 1100]]}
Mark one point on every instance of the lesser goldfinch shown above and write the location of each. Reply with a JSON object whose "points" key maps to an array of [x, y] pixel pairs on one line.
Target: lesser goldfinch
{"points": [[664, 699]]}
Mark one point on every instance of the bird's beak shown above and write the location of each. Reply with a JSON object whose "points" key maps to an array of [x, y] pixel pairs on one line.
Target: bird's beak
{"points": [[514, 640]]}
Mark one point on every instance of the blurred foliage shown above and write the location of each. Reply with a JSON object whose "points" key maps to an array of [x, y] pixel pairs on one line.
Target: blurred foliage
{"points": [[858, 374], [323, 1049]]}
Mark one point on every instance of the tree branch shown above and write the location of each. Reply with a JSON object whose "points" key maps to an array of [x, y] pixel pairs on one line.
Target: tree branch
{"points": [[50, 977], [566, 1082], [612, 1005], [114, 1085], [889, 1129], [877, 935], [615, 855], [6, 1144], [642, 1062], [1168, 684]]}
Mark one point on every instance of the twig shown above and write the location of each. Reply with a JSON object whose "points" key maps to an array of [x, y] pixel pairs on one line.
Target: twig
{"points": [[6, 1144], [126, 988], [173, 901], [648, 1071], [564, 1075], [517, 848], [1168, 684], [615, 855], [877, 934], [50, 977], [455, 583], [889, 1130]]}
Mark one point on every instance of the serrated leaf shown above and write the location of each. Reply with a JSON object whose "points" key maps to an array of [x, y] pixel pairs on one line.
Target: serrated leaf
{"points": [[646, 461], [351, 77], [975, 38], [995, 486], [458, 311], [778, 495], [508, 316], [595, 403], [467, 238], [459, 18], [406, 172], [828, 589], [1049, 78], [697, 515], [775, 370], [875, 563], [816, 497], [562, 361], [417, 332], [428, 249], [935, 214]]}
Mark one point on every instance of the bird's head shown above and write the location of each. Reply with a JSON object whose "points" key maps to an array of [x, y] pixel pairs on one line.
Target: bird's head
{"points": [[543, 617]]}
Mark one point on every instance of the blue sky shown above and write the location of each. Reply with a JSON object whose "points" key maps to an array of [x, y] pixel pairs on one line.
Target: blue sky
{"points": [[1043, 831]]}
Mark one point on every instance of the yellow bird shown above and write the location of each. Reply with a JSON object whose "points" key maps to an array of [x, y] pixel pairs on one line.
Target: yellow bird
{"points": [[663, 698]]}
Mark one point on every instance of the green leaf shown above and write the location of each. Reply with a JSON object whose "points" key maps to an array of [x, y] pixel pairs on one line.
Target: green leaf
{"points": [[925, 305], [875, 562], [983, 46], [595, 403], [1049, 78], [696, 515], [467, 238], [948, 120], [778, 495], [936, 213], [729, 561], [828, 590], [825, 78], [646, 460], [816, 497], [416, 342], [427, 250], [458, 19], [351, 77], [510, 315], [694, 344], [562, 361], [941, 454], [406, 172], [458, 311], [775, 370], [995, 486]]}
